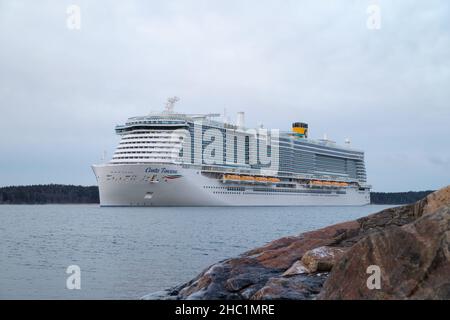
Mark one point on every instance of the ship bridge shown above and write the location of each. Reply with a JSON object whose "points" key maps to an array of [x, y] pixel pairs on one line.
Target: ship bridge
{"points": [[151, 123]]}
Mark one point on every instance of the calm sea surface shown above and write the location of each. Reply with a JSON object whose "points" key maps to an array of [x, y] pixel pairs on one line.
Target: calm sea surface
{"points": [[125, 253]]}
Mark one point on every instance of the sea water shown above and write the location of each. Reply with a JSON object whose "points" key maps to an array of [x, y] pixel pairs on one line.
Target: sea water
{"points": [[125, 253]]}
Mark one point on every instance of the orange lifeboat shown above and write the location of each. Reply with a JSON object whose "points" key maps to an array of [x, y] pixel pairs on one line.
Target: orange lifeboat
{"points": [[247, 178], [261, 179], [272, 179]]}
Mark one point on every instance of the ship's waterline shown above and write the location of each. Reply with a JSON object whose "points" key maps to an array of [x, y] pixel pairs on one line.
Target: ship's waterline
{"points": [[172, 159]]}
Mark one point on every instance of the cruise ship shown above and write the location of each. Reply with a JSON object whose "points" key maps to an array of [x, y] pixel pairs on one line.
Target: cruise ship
{"points": [[175, 159]]}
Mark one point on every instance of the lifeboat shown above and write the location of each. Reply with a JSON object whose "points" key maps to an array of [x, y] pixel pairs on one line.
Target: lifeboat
{"points": [[261, 179], [231, 177], [247, 178], [272, 179]]}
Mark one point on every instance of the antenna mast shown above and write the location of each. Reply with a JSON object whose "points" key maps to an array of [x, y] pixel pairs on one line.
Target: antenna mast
{"points": [[171, 103]]}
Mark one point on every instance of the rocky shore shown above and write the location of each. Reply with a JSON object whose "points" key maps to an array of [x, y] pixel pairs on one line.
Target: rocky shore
{"points": [[410, 245]]}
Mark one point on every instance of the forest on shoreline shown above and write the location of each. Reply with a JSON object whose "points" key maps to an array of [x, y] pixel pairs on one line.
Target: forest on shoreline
{"points": [[70, 194]]}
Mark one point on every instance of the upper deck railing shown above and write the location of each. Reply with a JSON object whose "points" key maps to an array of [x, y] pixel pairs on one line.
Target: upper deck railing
{"points": [[176, 120]]}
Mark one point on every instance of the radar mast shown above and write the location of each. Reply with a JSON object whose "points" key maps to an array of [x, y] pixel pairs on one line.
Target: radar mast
{"points": [[170, 104]]}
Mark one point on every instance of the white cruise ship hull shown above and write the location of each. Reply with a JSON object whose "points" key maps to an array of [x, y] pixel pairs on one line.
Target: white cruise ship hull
{"points": [[173, 185]]}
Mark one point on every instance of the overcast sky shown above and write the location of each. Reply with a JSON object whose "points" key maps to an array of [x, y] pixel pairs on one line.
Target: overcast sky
{"points": [[62, 91]]}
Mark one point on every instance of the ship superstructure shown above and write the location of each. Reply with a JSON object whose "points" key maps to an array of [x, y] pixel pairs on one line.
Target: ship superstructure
{"points": [[173, 159]]}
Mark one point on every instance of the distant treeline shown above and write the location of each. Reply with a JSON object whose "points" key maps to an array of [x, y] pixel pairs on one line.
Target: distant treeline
{"points": [[397, 197], [57, 193], [51, 193]]}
